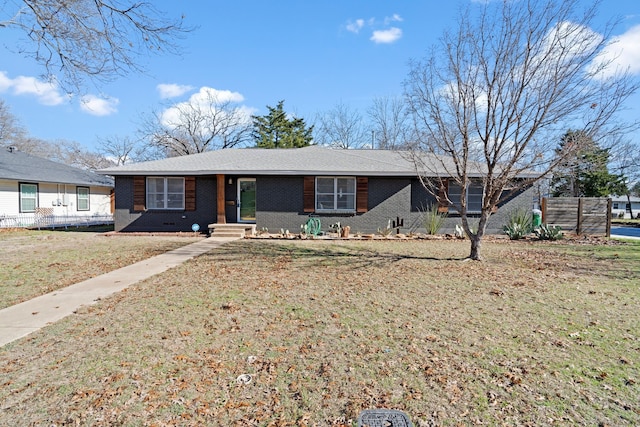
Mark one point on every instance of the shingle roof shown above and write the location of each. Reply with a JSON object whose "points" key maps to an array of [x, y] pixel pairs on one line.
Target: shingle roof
{"points": [[19, 166], [616, 198], [313, 160]]}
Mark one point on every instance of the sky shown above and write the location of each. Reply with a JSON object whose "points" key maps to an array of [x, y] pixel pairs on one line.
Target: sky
{"points": [[311, 54]]}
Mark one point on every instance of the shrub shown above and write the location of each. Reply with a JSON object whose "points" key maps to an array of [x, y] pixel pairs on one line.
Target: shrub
{"points": [[519, 224], [516, 231], [432, 219], [547, 232], [386, 231]]}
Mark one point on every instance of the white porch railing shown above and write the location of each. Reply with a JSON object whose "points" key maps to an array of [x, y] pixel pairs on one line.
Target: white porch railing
{"points": [[53, 221]]}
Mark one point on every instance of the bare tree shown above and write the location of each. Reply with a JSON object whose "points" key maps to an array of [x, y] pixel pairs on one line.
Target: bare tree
{"points": [[74, 154], [119, 149], [62, 151], [95, 39], [67, 152], [496, 95], [36, 147], [11, 131], [206, 122], [626, 162], [390, 120], [341, 127]]}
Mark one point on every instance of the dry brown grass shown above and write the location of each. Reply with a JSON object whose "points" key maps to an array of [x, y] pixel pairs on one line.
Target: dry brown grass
{"points": [[537, 334], [33, 263]]}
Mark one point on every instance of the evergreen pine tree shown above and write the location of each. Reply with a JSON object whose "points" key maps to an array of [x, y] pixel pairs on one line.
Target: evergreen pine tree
{"points": [[275, 130], [585, 174]]}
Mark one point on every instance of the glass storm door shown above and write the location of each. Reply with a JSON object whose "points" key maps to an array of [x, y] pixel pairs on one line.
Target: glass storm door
{"points": [[246, 200]]}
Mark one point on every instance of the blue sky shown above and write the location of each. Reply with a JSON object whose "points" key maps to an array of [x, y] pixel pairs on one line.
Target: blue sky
{"points": [[312, 54]]}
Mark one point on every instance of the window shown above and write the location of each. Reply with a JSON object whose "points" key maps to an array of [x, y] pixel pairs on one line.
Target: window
{"points": [[28, 197], [615, 205], [82, 198], [165, 193], [474, 195], [336, 194]]}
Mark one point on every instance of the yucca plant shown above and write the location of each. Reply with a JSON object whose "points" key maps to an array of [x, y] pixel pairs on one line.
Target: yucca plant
{"points": [[519, 224], [547, 232], [432, 219]]}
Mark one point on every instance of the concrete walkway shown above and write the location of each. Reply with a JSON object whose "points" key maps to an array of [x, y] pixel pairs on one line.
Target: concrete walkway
{"points": [[22, 319]]}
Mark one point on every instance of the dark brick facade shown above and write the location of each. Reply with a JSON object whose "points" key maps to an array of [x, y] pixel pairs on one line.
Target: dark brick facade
{"points": [[279, 205], [127, 219]]}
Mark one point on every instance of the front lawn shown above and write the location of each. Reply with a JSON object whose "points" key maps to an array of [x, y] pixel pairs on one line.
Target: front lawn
{"points": [[34, 263], [303, 333]]}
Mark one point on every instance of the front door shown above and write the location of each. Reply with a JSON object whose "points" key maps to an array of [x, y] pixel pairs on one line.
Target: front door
{"points": [[246, 200]]}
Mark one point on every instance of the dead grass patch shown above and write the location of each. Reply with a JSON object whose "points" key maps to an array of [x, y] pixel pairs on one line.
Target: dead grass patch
{"points": [[304, 333], [33, 263]]}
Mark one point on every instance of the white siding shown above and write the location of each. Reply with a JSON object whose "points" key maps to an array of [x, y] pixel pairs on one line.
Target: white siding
{"points": [[621, 208], [8, 197], [59, 200]]}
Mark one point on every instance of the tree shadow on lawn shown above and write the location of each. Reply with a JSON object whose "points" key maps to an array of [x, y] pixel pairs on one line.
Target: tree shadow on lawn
{"points": [[331, 254]]}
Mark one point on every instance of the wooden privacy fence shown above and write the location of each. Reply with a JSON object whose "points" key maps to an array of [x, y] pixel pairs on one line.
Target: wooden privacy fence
{"points": [[580, 215]]}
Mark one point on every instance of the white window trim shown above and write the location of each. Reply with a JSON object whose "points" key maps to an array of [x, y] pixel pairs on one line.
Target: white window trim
{"points": [[35, 205], [165, 197], [86, 197], [335, 195]]}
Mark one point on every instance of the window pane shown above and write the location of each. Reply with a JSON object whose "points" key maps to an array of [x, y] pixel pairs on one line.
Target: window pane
{"points": [[474, 197], [28, 205], [474, 204], [324, 202], [325, 185], [28, 190], [83, 204], [175, 185], [82, 198], [454, 193], [346, 185], [28, 197], [155, 201], [155, 185], [347, 202], [174, 201]]}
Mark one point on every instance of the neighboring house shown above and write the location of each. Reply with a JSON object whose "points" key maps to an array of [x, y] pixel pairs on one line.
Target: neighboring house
{"points": [[278, 189], [38, 192], [621, 207]]}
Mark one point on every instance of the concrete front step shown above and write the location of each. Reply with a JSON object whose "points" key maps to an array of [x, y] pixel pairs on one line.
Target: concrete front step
{"points": [[232, 230], [223, 234]]}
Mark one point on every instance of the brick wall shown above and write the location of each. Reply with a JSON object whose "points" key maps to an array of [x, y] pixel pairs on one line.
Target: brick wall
{"points": [[126, 219]]}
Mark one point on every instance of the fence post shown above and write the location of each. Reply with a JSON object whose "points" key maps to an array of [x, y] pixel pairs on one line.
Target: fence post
{"points": [[609, 202], [580, 218], [544, 210]]}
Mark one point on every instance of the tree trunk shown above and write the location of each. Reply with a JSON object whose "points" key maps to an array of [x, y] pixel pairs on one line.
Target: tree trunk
{"points": [[476, 242], [630, 207], [476, 239]]}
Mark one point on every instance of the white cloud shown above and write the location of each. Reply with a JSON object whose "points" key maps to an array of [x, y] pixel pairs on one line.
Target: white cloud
{"points": [[621, 54], [172, 90], [386, 35], [394, 18], [97, 106], [355, 26], [5, 82], [391, 35], [47, 93], [206, 94], [207, 98]]}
